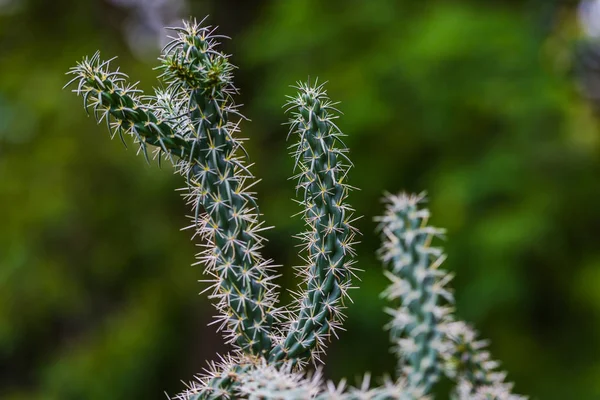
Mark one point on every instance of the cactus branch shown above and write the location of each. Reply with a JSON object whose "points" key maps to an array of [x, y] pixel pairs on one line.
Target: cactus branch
{"points": [[427, 338], [219, 185], [419, 284], [322, 164], [192, 124]]}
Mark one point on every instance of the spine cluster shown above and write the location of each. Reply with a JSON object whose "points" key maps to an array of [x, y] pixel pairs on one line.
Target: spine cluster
{"points": [[194, 123], [260, 380]]}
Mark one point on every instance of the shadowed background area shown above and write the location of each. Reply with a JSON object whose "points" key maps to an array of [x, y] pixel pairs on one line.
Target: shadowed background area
{"points": [[488, 106]]}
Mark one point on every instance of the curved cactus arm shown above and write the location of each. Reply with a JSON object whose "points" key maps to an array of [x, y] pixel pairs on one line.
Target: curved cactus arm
{"points": [[219, 184], [469, 363], [120, 105], [322, 166], [191, 124], [417, 325]]}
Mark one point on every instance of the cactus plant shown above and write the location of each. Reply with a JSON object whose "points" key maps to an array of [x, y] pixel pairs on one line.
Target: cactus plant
{"points": [[193, 123]]}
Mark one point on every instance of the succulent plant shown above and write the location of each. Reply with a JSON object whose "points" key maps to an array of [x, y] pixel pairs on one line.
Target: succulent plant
{"points": [[194, 123]]}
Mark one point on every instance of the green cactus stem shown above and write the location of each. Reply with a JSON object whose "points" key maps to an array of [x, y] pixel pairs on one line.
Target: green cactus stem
{"points": [[320, 157], [419, 285], [203, 139]]}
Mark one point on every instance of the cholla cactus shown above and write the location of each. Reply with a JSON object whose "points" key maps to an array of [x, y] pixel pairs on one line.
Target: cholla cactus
{"points": [[193, 123]]}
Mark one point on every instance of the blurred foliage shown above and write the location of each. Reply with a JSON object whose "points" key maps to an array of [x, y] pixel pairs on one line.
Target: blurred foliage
{"points": [[474, 103]]}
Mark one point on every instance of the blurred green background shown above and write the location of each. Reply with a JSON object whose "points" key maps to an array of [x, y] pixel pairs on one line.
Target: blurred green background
{"points": [[489, 106]]}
